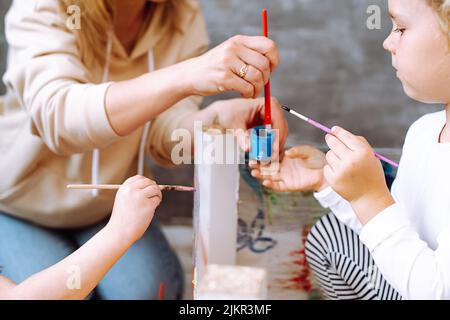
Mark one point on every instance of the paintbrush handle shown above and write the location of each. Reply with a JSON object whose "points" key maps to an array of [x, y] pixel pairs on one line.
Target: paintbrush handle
{"points": [[383, 158], [267, 94], [162, 187], [94, 186], [328, 130], [320, 126]]}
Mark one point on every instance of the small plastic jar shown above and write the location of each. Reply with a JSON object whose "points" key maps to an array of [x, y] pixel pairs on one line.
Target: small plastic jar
{"points": [[261, 140]]}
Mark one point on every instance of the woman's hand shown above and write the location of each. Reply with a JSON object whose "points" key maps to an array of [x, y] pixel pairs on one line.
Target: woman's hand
{"points": [[134, 207], [355, 173], [301, 170], [219, 70], [244, 114], [131, 103]]}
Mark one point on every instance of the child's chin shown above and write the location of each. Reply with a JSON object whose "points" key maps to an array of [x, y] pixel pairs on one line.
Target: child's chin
{"points": [[413, 94], [410, 92]]}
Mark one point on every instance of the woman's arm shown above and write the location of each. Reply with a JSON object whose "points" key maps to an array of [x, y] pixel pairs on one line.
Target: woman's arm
{"points": [[73, 115], [78, 274], [131, 103]]}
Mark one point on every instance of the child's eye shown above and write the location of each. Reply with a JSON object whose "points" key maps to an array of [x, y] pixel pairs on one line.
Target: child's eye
{"points": [[399, 30]]}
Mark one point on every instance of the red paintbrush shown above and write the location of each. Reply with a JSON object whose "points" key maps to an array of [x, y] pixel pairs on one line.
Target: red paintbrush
{"points": [[267, 112]]}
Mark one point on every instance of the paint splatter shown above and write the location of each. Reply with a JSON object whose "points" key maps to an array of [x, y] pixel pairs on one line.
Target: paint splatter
{"points": [[301, 277]]}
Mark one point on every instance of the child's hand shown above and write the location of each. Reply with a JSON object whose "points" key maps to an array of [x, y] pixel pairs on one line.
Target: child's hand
{"points": [[300, 171], [355, 173], [135, 206]]}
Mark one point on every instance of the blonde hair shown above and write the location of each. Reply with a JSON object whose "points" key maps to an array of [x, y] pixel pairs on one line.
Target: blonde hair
{"points": [[442, 8], [97, 17]]}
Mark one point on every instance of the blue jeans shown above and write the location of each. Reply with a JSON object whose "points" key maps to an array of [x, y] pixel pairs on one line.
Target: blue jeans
{"points": [[26, 249]]}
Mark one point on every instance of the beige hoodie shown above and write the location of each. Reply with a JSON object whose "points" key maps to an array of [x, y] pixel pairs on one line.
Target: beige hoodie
{"points": [[53, 115]]}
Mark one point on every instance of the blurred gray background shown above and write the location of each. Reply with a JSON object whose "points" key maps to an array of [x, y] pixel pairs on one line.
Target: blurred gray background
{"points": [[333, 69]]}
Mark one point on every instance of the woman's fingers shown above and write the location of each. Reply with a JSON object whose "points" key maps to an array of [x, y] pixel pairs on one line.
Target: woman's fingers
{"points": [[244, 64], [242, 138], [236, 83], [250, 74], [263, 45], [257, 60]]}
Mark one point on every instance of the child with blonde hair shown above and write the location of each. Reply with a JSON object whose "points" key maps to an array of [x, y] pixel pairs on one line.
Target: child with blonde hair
{"points": [[376, 243]]}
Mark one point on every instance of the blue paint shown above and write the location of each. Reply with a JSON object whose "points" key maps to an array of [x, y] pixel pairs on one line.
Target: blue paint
{"points": [[261, 140]]}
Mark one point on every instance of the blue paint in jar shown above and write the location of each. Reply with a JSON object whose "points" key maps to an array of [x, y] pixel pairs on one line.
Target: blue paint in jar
{"points": [[261, 140]]}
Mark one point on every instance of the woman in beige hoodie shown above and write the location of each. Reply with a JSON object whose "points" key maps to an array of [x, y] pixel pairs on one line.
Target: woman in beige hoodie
{"points": [[78, 109]]}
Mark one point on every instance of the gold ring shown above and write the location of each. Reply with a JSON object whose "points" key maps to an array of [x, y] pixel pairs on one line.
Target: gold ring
{"points": [[243, 71]]}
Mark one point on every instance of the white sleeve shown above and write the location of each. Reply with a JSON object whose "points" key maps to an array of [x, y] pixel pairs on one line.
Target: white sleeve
{"points": [[406, 261], [328, 198]]}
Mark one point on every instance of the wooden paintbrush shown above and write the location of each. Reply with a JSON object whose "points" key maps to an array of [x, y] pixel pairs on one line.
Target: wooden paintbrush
{"points": [[117, 186]]}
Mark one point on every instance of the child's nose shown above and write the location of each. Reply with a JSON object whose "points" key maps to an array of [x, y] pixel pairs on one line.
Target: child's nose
{"points": [[388, 44]]}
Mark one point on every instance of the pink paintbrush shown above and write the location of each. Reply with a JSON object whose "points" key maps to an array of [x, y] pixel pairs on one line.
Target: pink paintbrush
{"points": [[328, 130]]}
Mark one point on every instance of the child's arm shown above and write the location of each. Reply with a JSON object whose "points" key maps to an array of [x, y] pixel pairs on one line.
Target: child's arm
{"points": [[78, 274], [406, 261], [302, 171]]}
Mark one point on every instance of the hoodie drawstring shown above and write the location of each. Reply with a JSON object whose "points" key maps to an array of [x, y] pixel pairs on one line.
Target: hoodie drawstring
{"points": [[96, 153], [146, 130], [95, 169]]}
